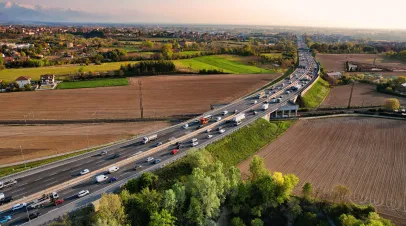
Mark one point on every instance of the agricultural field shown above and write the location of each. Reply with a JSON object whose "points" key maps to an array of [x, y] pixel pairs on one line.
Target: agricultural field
{"points": [[162, 96], [226, 63], [274, 55], [94, 83], [363, 95], [365, 154], [45, 140], [35, 73], [335, 62], [188, 53]]}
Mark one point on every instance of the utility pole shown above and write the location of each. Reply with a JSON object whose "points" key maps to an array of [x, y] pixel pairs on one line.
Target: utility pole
{"points": [[349, 101], [25, 164], [141, 106]]}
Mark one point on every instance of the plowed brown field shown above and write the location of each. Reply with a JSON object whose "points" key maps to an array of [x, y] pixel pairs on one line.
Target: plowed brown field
{"points": [[367, 155], [363, 95], [46, 140], [162, 96]]}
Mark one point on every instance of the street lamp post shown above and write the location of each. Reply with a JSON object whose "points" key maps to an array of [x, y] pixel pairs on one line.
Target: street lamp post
{"points": [[25, 164]]}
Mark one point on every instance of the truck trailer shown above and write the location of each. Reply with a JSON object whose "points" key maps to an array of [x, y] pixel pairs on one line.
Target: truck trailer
{"points": [[149, 138], [238, 119], [44, 200], [265, 107], [9, 183]]}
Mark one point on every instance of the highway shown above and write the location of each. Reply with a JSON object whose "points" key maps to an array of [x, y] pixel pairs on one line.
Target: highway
{"points": [[31, 184]]}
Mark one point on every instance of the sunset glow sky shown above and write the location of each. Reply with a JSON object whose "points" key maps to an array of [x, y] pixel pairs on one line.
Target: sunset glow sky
{"points": [[325, 13]]}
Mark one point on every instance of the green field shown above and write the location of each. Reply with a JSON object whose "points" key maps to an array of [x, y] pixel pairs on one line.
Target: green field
{"points": [[274, 55], [225, 63], [94, 83], [316, 94], [35, 73]]}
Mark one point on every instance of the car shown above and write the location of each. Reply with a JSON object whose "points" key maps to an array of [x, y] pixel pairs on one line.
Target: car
{"points": [[158, 144], [235, 111], [19, 206], [194, 140], [59, 201], [224, 112], [136, 167], [222, 131], [85, 171], [157, 161], [149, 159], [255, 102], [185, 126], [34, 215], [116, 156], [5, 219], [83, 193], [174, 151], [103, 153], [218, 119], [177, 143], [287, 92], [280, 97], [255, 112], [208, 130], [218, 129], [113, 179], [290, 82], [195, 144], [209, 136]]}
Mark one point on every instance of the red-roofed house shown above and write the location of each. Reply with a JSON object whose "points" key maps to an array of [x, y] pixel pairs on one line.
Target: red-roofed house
{"points": [[47, 79], [23, 80]]}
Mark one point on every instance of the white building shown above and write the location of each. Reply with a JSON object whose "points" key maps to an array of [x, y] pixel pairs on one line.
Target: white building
{"points": [[23, 80]]}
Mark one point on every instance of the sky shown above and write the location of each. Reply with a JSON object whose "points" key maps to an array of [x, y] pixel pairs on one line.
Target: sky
{"points": [[314, 13]]}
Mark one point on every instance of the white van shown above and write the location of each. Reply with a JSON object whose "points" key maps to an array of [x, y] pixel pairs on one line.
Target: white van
{"points": [[101, 178], [113, 169]]}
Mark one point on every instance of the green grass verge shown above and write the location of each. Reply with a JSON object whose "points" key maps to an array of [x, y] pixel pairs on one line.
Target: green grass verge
{"points": [[94, 83], [231, 150], [244, 143], [23, 167], [225, 63], [35, 73], [315, 95]]}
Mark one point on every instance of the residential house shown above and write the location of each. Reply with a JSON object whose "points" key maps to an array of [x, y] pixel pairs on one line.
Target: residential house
{"points": [[47, 79], [23, 80], [69, 45]]}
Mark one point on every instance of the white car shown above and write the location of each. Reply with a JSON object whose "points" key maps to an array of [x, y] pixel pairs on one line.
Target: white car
{"points": [[287, 92], [255, 102], [186, 126], [195, 144], [194, 140], [225, 112], [83, 193], [19, 206], [150, 159], [113, 169], [208, 130], [218, 119], [209, 136], [222, 130], [255, 112], [85, 171]]}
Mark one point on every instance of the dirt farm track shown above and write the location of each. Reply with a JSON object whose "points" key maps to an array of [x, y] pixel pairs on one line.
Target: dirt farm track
{"points": [[368, 155]]}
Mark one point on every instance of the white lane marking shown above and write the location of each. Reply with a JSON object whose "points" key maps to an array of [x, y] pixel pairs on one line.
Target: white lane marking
{"points": [[49, 179], [53, 210], [50, 183], [15, 191], [38, 179]]}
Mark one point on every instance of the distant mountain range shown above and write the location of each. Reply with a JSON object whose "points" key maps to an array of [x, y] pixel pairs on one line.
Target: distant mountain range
{"points": [[11, 12]]}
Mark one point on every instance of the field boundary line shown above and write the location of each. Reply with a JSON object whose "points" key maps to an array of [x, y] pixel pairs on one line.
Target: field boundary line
{"points": [[351, 115]]}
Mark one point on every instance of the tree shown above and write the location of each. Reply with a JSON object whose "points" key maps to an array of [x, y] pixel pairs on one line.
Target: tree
{"points": [[236, 221], [147, 44], [392, 104], [27, 87], [169, 201], [307, 190], [167, 51], [163, 218], [257, 168], [111, 208], [194, 215], [257, 222], [340, 193], [106, 222], [350, 220]]}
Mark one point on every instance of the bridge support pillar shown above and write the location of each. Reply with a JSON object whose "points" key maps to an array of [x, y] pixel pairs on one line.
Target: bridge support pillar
{"points": [[296, 112], [289, 113]]}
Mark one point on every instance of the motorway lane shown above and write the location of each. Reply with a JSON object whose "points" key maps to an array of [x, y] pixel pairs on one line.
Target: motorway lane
{"points": [[126, 151]]}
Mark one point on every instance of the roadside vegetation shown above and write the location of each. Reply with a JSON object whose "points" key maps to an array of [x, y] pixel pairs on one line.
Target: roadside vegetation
{"points": [[315, 95], [93, 83]]}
